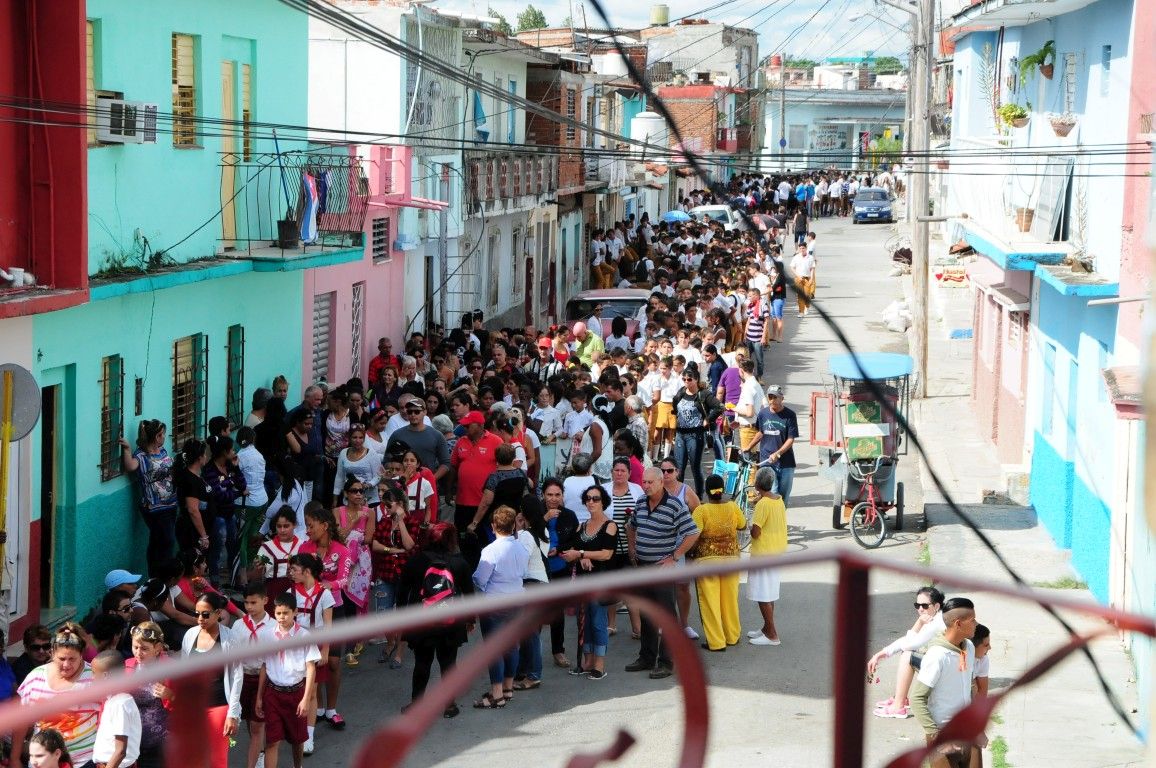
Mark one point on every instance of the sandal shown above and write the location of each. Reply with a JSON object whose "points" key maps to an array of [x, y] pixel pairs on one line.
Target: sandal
{"points": [[560, 660], [527, 685], [451, 711], [611, 631], [508, 694], [489, 702], [337, 721]]}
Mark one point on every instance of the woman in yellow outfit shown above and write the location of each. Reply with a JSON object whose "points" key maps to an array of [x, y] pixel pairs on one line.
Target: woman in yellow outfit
{"points": [[718, 596], [768, 537]]}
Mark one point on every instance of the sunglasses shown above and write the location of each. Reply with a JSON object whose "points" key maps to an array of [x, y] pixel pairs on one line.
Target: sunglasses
{"points": [[124, 609], [588, 499], [39, 646], [668, 471], [204, 614], [67, 640], [148, 635], [356, 490], [475, 367], [922, 606], [414, 410]]}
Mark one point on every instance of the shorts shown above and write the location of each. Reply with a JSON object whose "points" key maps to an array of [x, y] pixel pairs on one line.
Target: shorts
{"points": [[384, 595], [281, 720], [747, 434], [249, 698], [777, 309], [664, 416]]}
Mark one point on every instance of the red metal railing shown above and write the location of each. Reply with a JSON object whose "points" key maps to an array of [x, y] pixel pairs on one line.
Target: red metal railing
{"points": [[389, 745]]}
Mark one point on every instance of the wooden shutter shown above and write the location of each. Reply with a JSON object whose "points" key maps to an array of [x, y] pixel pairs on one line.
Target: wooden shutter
{"points": [[90, 79], [184, 92]]}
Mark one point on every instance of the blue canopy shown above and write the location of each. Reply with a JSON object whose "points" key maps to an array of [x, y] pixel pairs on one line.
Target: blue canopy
{"points": [[876, 365], [480, 126], [671, 216]]}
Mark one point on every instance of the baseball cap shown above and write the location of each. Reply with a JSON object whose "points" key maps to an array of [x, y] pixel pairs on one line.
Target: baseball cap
{"points": [[473, 417], [545, 343], [120, 577], [775, 390]]}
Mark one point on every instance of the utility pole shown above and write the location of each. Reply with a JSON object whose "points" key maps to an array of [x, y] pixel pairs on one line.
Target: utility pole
{"points": [[782, 112]]}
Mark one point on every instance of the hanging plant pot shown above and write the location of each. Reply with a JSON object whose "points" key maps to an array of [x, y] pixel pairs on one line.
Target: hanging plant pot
{"points": [[1062, 128], [1020, 122], [1047, 70]]}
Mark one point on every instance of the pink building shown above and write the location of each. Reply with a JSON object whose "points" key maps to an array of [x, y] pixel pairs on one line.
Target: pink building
{"points": [[348, 307]]}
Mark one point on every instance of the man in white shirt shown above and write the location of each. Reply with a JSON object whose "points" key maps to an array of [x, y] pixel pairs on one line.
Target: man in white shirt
{"points": [[118, 735], [803, 267], [751, 401]]}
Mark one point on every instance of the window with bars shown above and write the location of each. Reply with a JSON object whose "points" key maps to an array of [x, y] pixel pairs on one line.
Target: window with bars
{"points": [[111, 416], [517, 259], [493, 249], [90, 79], [571, 110], [247, 112], [235, 375], [190, 388], [184, 91], [357, 316], [379, 245]]}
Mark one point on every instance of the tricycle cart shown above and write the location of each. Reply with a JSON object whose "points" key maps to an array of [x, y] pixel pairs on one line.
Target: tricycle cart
{"points": [[856, 426]]}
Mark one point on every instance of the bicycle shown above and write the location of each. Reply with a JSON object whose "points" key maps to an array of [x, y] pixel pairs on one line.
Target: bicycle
{"points": [[746, 495], [868, 518]]}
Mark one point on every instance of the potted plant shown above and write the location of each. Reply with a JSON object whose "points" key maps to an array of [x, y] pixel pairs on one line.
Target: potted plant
{"points": [[1062, 122], [1015, 115], [1044, 59]]}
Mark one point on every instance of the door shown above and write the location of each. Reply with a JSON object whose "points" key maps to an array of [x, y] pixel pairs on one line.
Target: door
{"points": [[230, 158], [529, 292], [49, 492]]}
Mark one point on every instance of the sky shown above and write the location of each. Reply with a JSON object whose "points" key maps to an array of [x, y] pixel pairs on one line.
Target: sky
{"points": [[839, 27]]}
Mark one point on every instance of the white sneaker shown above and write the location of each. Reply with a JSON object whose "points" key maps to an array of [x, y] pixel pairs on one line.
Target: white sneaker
{"points": [[691, 633], [764, 640], [260, 761], [308, 747], [754, 633]]}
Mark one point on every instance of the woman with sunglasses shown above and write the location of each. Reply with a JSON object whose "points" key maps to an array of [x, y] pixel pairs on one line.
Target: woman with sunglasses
{"points": [[624, 495], [354, 521], [65, 671], [695, 410], [153, 700], [928, 624], [224, 710], [590, 551]]}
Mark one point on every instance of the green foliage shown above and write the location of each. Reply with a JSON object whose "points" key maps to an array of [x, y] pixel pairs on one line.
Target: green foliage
{"points": [[999, 753], [924, 555], [1029, 63], [568, 21], [1010, 112], [531, 18], [1064, 582], [503, 24], [887, 65], [801, 63]]}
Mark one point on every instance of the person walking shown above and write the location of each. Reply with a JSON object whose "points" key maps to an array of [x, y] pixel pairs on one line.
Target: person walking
{"points": [[803, 268], [500, 570]]}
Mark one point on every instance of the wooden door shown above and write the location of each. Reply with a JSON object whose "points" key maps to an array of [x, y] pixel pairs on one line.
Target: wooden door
{"points": [[230, 158]]}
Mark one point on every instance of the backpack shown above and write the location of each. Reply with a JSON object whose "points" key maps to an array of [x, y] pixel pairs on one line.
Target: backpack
{"points": [[641, 275], [438, 586]]}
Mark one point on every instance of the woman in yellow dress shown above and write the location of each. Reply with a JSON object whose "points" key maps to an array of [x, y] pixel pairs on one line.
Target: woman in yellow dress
{"points": [[718, 596], [768, 537]]}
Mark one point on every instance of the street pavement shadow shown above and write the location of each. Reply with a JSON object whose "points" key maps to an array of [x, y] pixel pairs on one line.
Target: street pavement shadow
{"points": [[989, 517]]}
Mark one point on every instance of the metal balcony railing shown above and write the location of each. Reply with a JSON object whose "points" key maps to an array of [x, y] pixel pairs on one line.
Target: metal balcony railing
{"points": [[492, 176], [396, 737], [258, 193]]}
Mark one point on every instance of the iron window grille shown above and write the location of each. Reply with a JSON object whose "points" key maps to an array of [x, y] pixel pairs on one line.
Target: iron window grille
{"points": [[190, 388], [111, 417], [235, 375]]}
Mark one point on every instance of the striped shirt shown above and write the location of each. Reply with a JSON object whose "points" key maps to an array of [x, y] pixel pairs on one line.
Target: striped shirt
{"points": [[660, 528], [77, 725], [757, 316]]}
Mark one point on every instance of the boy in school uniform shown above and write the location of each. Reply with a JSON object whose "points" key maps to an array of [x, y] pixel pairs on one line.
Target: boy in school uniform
{"points": [[314, 611], [118, 735], [287, 686], [256, 626]]}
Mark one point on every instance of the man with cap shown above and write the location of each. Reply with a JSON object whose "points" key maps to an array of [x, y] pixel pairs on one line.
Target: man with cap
{"points": [[120, 580], [419, 434], [398, 420], [586, 343], [473, 459], [777, 429], [544, 366]]}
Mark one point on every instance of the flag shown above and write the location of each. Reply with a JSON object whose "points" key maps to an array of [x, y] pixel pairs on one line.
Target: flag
{"points": [[309, 213]]}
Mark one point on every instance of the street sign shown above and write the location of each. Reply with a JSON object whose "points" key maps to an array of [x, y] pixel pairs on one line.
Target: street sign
{"points": [[25, 399], [783, 143]]}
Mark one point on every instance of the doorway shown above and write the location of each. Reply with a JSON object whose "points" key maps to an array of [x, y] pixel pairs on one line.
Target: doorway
{"points": [[49, 492], [230, 158]]}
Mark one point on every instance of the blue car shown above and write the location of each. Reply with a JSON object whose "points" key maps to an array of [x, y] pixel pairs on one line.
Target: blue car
{"points": [[871, 204]]}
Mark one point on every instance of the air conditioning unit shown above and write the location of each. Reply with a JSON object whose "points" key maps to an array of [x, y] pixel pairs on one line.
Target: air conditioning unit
{"points": [[405, 243], [125, 122]]}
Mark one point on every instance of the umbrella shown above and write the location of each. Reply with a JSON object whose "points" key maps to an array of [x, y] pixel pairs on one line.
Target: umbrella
{"points": [[766, 221], [673, 216]]}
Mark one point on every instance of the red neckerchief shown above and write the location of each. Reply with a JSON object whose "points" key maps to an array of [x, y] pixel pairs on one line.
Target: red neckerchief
{"points": [[253, 628], [282, 635], [310, 597]]}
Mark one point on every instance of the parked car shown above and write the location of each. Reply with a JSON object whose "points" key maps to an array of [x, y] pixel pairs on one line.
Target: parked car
{"points": [[872, 204], [616, 302], [730, 218]]}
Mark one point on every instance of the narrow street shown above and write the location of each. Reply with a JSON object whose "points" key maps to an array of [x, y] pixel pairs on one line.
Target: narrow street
{"points": [[769, 705]]}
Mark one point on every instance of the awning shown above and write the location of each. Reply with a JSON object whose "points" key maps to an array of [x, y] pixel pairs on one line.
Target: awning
{"points": [[1008, 298], [1125, 385], [480, 126]]}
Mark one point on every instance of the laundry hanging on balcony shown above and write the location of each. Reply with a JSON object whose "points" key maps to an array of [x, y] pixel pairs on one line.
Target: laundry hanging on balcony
{"points": [[480, 126], [310, 202]]}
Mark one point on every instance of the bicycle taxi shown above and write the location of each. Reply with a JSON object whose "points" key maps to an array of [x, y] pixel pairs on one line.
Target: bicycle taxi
{"points": [[857, 426]]}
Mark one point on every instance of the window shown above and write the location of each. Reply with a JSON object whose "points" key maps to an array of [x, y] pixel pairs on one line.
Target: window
{"points": [[247, 112], [184, 92], [235, 375], [511, 126], [1049, 399], [358, 325], [111, 416], [1105, 69], [590, 112], [90, 79], [796, 136], [492, 248], [516, 261], [190, 388], [571, 112], [500, 107], [322, 336], [379, 243]]}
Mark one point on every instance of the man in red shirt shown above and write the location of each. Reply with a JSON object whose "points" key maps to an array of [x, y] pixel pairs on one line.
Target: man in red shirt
{"points": [[384, 359], [472, 461]]}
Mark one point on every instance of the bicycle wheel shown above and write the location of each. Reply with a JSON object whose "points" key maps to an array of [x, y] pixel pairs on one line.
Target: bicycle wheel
{"points": [[742, 497], [868, 526]]}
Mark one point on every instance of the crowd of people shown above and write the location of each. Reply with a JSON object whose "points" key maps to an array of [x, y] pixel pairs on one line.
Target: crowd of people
{"points": [[482, 460]]}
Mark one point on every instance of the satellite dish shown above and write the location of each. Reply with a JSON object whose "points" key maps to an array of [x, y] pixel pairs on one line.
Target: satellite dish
{"points": [[25, 399]]}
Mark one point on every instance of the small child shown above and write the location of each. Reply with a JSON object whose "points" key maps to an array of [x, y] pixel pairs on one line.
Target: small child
{"points": [[314, 610], [548, 416], [256, 626], [118, 735], [287, 686]]}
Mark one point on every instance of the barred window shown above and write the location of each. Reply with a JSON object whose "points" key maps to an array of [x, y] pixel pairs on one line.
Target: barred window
{"points": [[190, 388], [247, 112], [235, 375], [111, 416], [571, 112], [184, 91], [380, 243]]}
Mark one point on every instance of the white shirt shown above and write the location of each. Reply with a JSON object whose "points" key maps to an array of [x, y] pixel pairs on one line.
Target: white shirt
{"points": [[288, 667], [950, 685], [311, 605], [252, 466], [572, 489], [598, 252], [751, 394], [118, 717], [614, 248], [802, 265], [259, 631], [536, 565], [760, 282]]}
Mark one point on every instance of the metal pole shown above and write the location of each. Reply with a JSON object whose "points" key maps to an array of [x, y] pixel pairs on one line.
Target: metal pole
{"points": [[7, 390], [783, 112], [921, 192], [853, 623]]}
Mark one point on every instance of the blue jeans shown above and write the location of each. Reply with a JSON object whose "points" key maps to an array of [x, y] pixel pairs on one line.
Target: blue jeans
{"points": [[530, 657], [507, 665], [720, 446], [384, 596], [222, 537], [596, 636], [688, 447], [756, 350], [784, 481]]}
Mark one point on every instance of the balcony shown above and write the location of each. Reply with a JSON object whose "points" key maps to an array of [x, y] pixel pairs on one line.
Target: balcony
{"points": [[509, 180], [727, 140], [314, 198]]}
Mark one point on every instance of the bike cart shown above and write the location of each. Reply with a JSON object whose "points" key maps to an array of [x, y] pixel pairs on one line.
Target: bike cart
{"points": [[855, 425]]}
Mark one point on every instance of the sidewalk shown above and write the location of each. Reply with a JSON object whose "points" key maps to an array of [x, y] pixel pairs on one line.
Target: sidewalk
{"points": [[1063, 719]]}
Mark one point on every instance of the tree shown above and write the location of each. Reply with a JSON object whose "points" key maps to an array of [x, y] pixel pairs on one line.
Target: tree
{"points": [[503, 25], [887, 65], [801, 63], [531, 18], [568, 22]]}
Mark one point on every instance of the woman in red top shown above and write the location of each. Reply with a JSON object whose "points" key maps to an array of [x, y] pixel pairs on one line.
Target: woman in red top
{"points": [[398, 535], [336, 563]]}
